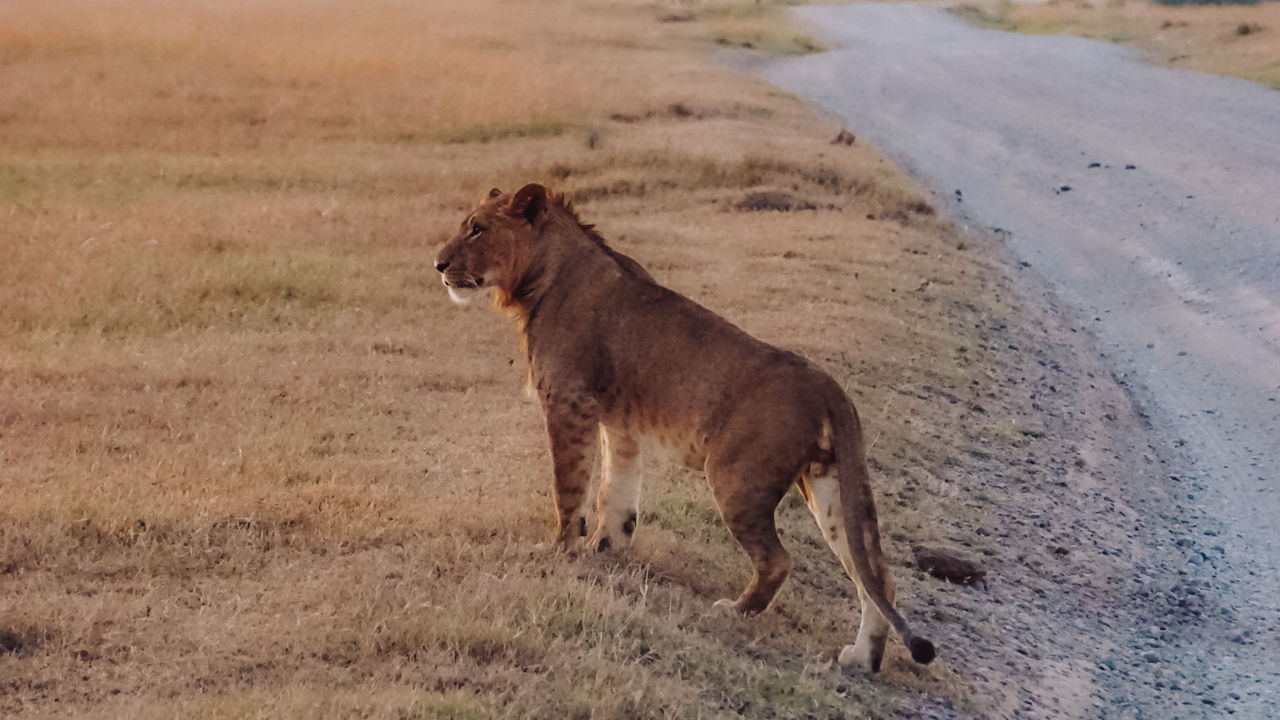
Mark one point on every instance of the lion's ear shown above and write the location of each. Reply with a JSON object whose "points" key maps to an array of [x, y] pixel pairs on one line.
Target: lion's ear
{"points": [[529, 202]]}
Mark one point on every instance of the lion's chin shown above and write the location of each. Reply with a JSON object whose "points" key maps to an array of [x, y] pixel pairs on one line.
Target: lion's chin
{"points": [[463, 296]]}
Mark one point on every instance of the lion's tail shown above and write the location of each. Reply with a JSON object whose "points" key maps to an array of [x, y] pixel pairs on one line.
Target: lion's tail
{"points": [[860, 523]]}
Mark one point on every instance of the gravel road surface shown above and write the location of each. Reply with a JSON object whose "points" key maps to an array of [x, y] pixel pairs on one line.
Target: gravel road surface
{"points": [[1148, 200]]}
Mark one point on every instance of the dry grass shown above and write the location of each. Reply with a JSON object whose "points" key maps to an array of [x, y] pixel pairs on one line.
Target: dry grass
{"points": [[1237, 40], [760, 25], [254, 464]]}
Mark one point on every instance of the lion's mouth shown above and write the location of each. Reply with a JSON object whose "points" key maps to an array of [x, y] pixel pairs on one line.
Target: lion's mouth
{"points": [[462, 289], [460, 284]]}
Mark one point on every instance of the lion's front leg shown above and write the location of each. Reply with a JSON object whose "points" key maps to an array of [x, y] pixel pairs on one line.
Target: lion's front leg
{"points": [[618, 500], [573, 432]]}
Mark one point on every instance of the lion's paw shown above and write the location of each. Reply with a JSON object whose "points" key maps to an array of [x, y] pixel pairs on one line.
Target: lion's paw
{"points": [[600, 543], [727, 606], [858, 661], [605, 542], [571, 547]]}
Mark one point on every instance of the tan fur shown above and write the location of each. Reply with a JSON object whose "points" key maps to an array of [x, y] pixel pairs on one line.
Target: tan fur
{"points": [[610, 348]]}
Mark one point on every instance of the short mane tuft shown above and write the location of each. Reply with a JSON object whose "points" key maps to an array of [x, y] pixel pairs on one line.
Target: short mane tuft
{"points": [[562, 201]]}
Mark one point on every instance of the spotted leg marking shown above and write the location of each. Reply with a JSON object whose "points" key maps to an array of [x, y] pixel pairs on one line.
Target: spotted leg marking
{"points": [[572, 430]]}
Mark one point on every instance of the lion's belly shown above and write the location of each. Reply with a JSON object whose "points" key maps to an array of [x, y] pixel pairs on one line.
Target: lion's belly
{"points": [[688, 454], [664, 440]]}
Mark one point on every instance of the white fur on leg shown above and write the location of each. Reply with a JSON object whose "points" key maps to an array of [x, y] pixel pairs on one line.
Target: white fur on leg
{"points": [[857, 658], [618, 501], [824, 503], [867, 650]]}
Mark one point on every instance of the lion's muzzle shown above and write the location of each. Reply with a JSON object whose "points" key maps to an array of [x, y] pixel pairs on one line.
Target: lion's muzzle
{"points": [[461, 286]]}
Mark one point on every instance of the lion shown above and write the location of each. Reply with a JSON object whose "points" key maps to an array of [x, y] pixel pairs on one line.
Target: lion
{"points": [[615, 358]]}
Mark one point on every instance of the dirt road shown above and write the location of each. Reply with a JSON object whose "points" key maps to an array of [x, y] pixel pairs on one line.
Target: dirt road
{"points": [[1148, 200]]}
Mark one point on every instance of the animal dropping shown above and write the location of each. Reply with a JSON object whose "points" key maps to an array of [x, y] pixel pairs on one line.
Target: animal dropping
{"points": [[950, 566], [616, 359]]}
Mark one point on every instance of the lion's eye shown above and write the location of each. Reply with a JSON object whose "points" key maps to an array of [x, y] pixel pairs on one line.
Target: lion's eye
{"points": [[476, 229]]}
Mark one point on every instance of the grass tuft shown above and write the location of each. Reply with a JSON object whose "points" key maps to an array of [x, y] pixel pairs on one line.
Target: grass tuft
{"points": [[760, 26]]}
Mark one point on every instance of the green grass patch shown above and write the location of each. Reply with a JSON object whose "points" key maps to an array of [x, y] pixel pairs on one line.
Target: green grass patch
{"points": [[14, 184], [39, 182], [147, 290], [484, 133]]}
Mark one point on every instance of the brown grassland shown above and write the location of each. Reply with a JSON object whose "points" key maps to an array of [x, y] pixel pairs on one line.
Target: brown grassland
{"points": [[253, 463], [1236, 40]]}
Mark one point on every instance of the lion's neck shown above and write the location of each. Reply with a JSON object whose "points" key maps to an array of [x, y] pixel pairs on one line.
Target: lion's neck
{"points": [[560, 260], [565, 264]]}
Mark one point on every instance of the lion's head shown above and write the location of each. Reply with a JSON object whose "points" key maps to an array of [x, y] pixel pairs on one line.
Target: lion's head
{"points": [[492, 247]]}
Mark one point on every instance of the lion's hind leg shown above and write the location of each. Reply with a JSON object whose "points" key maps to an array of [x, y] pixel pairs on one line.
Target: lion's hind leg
{"points": [[747, 501], [821, 493], [618, 500]]}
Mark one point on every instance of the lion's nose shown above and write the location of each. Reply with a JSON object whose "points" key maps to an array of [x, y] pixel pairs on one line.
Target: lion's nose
{"points": [[442, 265]]}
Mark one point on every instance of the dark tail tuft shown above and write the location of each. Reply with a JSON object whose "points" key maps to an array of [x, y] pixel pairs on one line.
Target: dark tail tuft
{"points": [[921, 650]]}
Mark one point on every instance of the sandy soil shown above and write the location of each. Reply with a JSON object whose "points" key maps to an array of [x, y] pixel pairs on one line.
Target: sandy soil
{"points": [[1143, 198]]}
